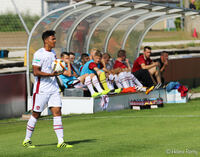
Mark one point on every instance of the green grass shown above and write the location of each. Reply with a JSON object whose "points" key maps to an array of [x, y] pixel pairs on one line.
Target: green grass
{"points": [[147, 133], [195, 90], [157, 36]]}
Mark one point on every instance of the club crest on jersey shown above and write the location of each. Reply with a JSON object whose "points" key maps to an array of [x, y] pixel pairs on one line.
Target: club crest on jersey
{"points": [[37, 107]]}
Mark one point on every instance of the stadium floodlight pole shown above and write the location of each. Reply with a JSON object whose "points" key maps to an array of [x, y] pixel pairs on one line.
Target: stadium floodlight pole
{"points": [[21, 19]]}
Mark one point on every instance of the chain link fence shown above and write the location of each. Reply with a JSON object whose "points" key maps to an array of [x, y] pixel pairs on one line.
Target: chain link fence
{"points": [[13, 33]]}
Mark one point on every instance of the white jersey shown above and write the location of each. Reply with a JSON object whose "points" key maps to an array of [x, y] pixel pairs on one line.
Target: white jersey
{"points": [[44, 59]]}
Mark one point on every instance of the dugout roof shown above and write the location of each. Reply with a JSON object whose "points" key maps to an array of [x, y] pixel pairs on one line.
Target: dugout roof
{"points": [[104, 24]]}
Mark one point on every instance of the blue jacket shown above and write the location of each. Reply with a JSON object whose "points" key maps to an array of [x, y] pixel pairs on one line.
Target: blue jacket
{"points": [[66, 79]]}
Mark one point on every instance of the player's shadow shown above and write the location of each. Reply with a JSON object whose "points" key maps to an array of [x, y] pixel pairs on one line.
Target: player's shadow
{"points": [[68, 142], [81, 141]]}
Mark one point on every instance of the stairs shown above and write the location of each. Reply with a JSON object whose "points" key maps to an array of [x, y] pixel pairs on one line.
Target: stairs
{"points": [[10, 65]]}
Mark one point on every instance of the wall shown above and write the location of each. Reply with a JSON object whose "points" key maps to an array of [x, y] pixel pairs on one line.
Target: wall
{"points": [[185, 70], [13, 95]]}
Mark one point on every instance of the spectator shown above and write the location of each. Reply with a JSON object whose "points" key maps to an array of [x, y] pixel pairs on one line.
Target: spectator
{"points": [[163, 61], [144, 69], [192, 4]]}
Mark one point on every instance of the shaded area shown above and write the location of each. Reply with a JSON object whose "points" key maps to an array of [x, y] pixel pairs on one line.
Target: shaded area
{"points": [[69, 142]]}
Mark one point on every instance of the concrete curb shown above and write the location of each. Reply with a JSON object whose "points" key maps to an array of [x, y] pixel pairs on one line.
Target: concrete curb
{"points": [[193, 95]]}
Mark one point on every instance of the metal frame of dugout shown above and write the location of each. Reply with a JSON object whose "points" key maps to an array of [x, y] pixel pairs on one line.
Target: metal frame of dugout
{"points": [[105, 24]]}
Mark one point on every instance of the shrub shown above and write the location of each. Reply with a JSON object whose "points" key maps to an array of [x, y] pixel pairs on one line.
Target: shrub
{"points": [[10, 22]]}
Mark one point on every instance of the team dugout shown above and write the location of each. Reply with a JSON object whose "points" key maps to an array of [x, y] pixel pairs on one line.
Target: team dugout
{"points": [[107, 25]]}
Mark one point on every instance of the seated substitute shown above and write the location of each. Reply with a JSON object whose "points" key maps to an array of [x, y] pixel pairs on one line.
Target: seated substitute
{"points": [[71, 80], [123, 75], [144, 69], [84, 58], [163, 61], [94, 67], [74, 66]]}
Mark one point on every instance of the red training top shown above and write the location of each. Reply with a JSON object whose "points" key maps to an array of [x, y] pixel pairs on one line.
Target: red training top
{"points": [[140, 60], [119, 64], [93, 65]]}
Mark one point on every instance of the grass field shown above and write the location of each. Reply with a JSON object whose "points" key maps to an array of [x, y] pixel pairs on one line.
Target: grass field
{"points": [[195, 90], [170, 131], [157, 36]]}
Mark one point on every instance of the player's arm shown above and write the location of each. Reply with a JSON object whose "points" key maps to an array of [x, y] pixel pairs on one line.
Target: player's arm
{"points": [[37, 72], [93, 66], [98, 71], [104, 68], [68, 71], [75, 74], [149, 66], [128, 64], [164, 66]]}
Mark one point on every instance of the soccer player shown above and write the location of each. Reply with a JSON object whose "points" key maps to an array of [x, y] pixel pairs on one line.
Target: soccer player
{"points": [[46, 90]]}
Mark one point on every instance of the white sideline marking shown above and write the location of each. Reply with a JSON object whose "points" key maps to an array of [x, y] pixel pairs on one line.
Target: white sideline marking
{"points": [[150, 116], [109, 117]]}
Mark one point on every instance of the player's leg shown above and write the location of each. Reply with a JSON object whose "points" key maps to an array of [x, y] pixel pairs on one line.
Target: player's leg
{"points": [[39, 101], [110, 81], [130, 79], [117, 81], [88, 83], [82, 78], [29, 130], [102, 78], [55, 105], [123, 79], [97, 85], [155, 71], [138, 85]]}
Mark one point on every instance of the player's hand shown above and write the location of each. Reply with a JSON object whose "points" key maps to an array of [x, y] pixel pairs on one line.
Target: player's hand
{"points": [[55, 73], [156, 64], [166, 63], [68, 61], [103, 62], [127, 61], [75, 74]]}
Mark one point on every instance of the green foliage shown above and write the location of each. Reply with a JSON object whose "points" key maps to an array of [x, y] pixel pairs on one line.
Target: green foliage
{"points": [[178, 23], [195, 90], [197, 4], [10, 22]]}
